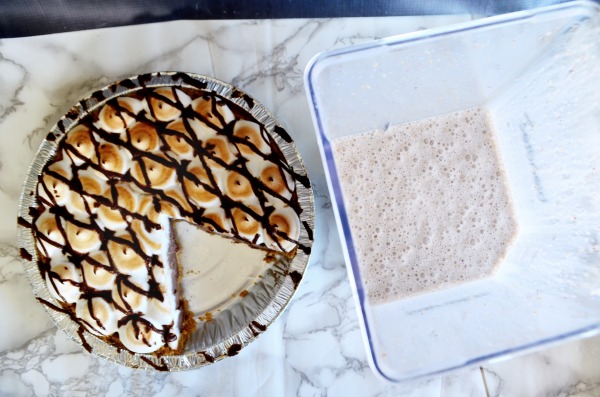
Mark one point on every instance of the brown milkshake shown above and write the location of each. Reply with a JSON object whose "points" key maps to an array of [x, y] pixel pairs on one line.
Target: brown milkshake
{"points": [[427, 203]]}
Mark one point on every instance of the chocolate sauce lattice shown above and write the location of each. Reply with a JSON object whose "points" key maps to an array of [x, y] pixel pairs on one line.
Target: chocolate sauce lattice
{"points": [[106, 200]]}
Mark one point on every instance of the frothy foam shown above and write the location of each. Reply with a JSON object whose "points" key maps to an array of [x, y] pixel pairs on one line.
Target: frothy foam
{"points": [[427, 203]]}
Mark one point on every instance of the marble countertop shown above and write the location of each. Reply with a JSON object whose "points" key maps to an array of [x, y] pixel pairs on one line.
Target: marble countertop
{"points": [[315, 347]]}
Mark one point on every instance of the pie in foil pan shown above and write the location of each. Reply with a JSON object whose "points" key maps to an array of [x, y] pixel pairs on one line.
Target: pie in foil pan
{"points": [[166, 221]]}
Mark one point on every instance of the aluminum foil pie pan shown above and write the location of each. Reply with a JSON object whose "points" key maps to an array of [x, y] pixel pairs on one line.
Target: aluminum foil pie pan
{"points": [[230, 327]]}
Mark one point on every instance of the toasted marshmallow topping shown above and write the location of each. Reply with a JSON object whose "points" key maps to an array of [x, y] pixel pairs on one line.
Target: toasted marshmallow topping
{"points": [[245, 223], [278, 180], [178, 139], [54, 189], [50, 238], [107, 200], [81, 143], [99, 316], [98, 277], [116, 117], [125, 258], [163, 104], [144, 137], [198, 193], [112, 219], [140, 337], [213, 111], [113, 159], [238, 186], [64, 279], [82, 239], [287, 228], [251, 136]]}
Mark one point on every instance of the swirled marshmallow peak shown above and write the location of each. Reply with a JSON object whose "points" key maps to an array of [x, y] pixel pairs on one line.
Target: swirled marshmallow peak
{"points": [[138, 335], [111, 218], [150, 240], [54, 189], [159, 312], [158, 212], [220, 149], [246, 224], [118, 115], [80, 144], [199, 186], [99, 316], [276, 179], [286, 229], [125, 258], [82, 237], [201, 130], [177, 138], [129, 296], [143, 136], [50, 239], [239, 186], [64, 278], [198, 193], [216, 220], [165, 103], [113, 158], [213, 111], [62, 165], [251, 136], [97, 271], [92, 182], [127, 197], [156, 173], [178, 199], [80, 205]]}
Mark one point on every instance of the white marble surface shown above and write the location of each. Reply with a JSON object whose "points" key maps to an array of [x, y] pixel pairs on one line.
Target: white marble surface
{"points": [[315, 347]]}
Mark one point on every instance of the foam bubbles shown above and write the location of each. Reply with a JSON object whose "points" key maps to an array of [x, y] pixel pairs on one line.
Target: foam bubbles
{"points": [[427, 203]]}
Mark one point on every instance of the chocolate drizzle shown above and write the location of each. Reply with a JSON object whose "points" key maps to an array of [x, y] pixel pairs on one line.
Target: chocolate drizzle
{"points": [[127, 83], [308, 230], [296, 277], [283, 134], [205, 154], [162, 367], [208, 357], [257, 328], [234, 349], [22, 222], [188, 80], [34, 212], [25, 255], [84, 342], [80, 330], [98, 96], [145, 79], [247, 98]]}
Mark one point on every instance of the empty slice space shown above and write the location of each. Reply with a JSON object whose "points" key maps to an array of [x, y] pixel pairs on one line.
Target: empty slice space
{"points": [[215, 271]]}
